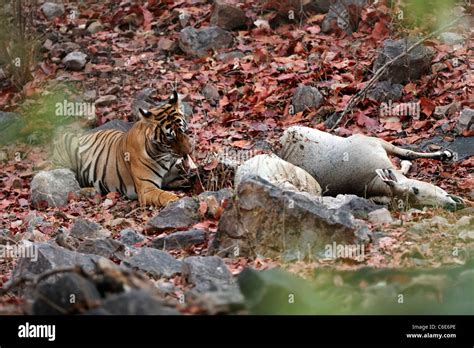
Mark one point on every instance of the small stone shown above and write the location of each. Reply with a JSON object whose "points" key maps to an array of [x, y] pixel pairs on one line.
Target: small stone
{"points": [[131, 237], [112, 90], [211, 93], [177, 215], [75, 61], [207, 273], [380, 217], [155, 262], [167, 45], [95, 27], [106, 100], [306, 97], [84, 228], [180, 240], [227, 16], [466, 120], [199, 42], [90, 95], [52, 10], [385, 91]]}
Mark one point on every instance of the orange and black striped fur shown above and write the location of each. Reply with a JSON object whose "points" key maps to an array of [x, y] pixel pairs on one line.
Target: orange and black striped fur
{"points": [[133, 162]]}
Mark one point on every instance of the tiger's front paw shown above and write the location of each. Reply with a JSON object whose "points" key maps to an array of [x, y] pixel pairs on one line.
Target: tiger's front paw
{"points": [[167, 197]]}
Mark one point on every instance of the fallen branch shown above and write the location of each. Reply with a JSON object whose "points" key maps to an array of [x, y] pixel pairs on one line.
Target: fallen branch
{"points": [[359, 95]]}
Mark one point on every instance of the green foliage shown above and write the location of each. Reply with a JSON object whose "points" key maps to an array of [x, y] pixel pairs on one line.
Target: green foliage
{"points": [[426, 14], [446, 290], [19, 45], [40, 113]]}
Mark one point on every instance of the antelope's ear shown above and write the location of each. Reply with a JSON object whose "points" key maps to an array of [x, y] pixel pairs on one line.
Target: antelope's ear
{"points": [[173, 99], [387, 176], [144, 113]]}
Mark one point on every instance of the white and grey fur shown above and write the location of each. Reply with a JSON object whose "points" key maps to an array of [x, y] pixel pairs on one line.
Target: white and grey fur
{"points": [[360, 165]]}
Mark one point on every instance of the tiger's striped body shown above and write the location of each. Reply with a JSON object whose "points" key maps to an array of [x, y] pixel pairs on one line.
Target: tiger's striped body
{"points": [[132, 163]]}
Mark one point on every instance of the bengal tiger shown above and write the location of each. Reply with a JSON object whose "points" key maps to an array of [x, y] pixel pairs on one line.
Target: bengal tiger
{"points": [[134, 162]]}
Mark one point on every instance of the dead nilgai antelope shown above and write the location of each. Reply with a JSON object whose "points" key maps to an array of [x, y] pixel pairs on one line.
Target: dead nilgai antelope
{"points": [[360, 165]]}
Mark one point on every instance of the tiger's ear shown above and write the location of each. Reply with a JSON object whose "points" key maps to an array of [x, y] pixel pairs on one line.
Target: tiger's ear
{"points": [[173, 99], [144, 113]]}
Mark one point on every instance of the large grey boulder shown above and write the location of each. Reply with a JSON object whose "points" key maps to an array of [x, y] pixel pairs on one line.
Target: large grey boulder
{"points": [[51, 188], [267, 221]]}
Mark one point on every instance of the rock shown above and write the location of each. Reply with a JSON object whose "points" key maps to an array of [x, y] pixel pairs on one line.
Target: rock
{"points": [[177, 215], [358, 206], [343, 15], [451, 38], [70, 294], [380, 217], [446, 111], [75, 60], [95, 27], [106, 100], [467, 235], [52, 10], [278, 172], [48, 45], [155, 262], [198, 42], [134, 302], [466, 120], [230, 56], [230, 301], [180, 240], [207, 273], [227, 16], [105, 247], [411, 67], [385, 91], [84, 228], [47, 257], [306, 97], [211, 93], [167, 45], [112, 89], [10, 126], [131, 237], [264, 220], [60, 50], [90, 95], [220, 195], [51, 188]]}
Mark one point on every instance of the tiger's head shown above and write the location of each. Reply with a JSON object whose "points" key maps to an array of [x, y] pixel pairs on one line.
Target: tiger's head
{"points": [[168, 127]]}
